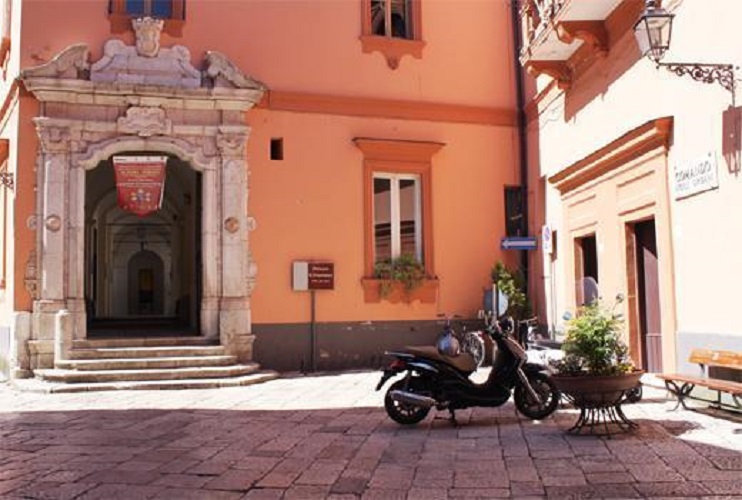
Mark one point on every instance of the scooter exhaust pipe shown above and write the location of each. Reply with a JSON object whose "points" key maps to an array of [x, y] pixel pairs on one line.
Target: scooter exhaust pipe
{"points": [[412, 399]]}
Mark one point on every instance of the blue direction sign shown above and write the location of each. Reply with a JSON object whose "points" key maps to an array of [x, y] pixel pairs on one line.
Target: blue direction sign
{"points": [[519, 243]]}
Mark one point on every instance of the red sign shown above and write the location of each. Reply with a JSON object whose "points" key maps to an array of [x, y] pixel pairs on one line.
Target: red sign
{"points": [[321, 276], [140, 181]]}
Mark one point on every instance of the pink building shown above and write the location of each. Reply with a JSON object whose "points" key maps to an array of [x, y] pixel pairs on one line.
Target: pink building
{"points": [[249, 138]]}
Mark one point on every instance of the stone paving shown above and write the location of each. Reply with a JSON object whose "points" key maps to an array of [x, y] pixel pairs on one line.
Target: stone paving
{"points": [[328, 436]]}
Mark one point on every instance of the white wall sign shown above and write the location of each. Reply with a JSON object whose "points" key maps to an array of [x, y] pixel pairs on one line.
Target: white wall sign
{"points": [[695, 176], [546, 240]]}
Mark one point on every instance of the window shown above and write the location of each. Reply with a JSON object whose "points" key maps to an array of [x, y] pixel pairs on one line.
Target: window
{"points": [[397, 216], [392, 27], [397, 200], [162, 9], [5, 17], [277, 148], [586, 269], [514, 211], [392, 18], [5, 198], [172, 11]]}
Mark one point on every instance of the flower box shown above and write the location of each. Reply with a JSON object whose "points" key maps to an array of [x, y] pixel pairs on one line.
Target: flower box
{"points": [[375, 290]]}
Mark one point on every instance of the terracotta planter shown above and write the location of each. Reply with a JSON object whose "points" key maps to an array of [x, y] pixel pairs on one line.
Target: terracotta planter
{"points": [[426, 292], [594, 391]]}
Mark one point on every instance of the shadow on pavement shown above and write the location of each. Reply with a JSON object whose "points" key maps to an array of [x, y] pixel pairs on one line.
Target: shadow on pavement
{"points": [[355, 452]]}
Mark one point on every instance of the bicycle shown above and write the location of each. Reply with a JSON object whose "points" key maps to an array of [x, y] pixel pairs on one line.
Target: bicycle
{"points": [[470, 341]]}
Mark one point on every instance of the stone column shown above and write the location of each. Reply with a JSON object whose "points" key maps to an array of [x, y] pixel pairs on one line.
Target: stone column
{"points": [[54, 200], [75, 295], [210, 234], [235, 327], [20, 335]]}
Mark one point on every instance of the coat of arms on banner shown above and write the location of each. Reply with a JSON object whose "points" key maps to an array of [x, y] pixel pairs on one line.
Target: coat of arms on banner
{"points": [[140, 181]]}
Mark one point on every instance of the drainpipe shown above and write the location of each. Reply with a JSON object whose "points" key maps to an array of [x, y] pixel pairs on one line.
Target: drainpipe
{"points": [[522, 134]]}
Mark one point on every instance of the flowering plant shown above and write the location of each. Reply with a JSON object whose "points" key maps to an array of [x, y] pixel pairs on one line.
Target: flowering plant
{"points": [[593, 345]]}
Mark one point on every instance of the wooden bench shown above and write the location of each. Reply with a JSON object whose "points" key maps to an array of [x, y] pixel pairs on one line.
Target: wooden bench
{"points": [[681, 385]]}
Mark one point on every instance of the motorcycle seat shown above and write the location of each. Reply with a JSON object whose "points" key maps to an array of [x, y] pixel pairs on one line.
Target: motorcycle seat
{"points": [[464, 362]]}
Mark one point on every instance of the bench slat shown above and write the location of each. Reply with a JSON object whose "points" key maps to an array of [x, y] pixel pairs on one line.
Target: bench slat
{"points": [[711, 383], [726, 359], [701, 356]]}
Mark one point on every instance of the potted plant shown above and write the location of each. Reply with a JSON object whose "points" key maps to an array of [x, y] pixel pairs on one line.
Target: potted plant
{"points": [[511, 284], [400, 279], [596, 370]]}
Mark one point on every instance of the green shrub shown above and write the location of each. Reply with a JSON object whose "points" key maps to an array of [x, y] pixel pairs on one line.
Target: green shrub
{"points": [[405, 269], [593, 344], [512, 284]]}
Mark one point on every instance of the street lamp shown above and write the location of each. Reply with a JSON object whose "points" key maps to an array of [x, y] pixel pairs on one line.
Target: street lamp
{"points": [[653, 32]]}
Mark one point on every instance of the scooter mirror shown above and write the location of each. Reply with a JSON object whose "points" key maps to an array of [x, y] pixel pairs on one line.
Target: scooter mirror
{"points": [[567, 316]]}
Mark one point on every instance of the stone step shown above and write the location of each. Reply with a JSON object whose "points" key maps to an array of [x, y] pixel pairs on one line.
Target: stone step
{"points": [[107, 364], [78, 376], [36, 385], [145, 352], [142, 342]]}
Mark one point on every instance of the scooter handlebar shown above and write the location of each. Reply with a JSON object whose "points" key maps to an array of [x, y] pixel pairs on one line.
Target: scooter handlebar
{"points": [[502, 327]]}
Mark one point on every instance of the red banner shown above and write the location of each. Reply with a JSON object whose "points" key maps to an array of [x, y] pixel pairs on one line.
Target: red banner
{"points": [[140, 181]]}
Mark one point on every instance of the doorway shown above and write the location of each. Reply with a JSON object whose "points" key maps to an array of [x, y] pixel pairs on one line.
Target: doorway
{"points": [[586, 270], [143, 272], [647, 294]]}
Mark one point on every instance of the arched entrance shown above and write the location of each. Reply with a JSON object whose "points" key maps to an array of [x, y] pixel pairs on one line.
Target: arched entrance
{"points": [[157, 104], [143, 272]]}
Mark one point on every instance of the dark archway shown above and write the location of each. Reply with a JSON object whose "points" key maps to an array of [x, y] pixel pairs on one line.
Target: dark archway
{"points": [[143, 274], [146, 284]]}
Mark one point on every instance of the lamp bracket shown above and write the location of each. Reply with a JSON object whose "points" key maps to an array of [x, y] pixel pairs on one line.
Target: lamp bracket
{"points": [[6, 179], [723, 74]]}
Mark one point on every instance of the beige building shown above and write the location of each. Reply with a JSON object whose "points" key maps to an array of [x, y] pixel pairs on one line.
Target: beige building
{"points": [[635, 168]]}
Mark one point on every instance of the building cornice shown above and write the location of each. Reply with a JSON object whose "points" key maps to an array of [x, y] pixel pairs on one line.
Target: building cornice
{"points": [[302, 102], [653, 134]]}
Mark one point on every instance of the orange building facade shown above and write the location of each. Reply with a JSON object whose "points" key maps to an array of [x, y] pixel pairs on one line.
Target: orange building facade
{"points": [[634, 167], [336, 132]]}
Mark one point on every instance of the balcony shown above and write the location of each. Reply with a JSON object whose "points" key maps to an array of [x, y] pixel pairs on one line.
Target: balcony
{"points": [[559, 34]]}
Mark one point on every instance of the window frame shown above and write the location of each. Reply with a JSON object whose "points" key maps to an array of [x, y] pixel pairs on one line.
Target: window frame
{"points": [[121, 20], [392, 48], [398, 157]]}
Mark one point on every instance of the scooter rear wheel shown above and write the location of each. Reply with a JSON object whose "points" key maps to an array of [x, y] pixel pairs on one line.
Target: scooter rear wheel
{"points": [[547, 393], [403, 413]]}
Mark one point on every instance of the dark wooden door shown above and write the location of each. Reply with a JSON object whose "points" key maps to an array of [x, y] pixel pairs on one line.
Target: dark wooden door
{"points": [[649, 296]]}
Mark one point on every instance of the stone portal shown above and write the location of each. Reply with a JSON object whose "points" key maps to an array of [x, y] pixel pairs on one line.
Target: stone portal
{"points": [[142, 99]]}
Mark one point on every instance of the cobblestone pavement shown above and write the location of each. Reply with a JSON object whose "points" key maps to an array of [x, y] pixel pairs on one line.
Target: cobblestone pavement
{"points": [[329, 437]]}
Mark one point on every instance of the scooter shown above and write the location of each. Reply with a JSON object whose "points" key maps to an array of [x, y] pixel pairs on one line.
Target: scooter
{"points": [[435, 379]]}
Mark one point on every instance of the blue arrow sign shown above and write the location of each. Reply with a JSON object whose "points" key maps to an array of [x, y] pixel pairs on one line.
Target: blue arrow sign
{"points": [[519, 243]]}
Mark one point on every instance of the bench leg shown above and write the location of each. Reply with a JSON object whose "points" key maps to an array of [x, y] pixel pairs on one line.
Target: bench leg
{"points": [[679, 392]]}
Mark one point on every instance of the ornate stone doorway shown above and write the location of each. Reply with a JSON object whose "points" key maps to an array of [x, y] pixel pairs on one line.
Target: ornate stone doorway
{"points": [[166, 106]]}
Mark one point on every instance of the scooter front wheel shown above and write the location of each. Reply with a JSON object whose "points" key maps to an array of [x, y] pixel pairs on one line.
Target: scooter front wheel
{"points": [[548, 397], [404, 413]]}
